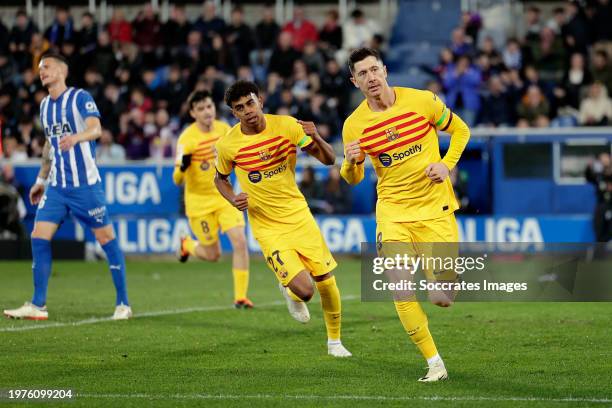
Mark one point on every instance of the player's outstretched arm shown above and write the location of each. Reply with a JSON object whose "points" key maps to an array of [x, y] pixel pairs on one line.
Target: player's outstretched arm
{"points": [[352, 169], [319, 148], [38, 189], [240, 201], [93, 131]]}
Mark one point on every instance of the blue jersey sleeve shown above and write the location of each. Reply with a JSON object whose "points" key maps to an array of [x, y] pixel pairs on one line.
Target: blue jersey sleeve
{"points": [[86, 105]]}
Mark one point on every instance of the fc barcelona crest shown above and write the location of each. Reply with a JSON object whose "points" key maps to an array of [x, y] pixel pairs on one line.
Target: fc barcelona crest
{"points": [[264, 155], [391, 134], [205, 165]]}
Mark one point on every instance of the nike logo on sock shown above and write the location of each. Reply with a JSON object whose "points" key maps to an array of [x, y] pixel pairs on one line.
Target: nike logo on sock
{"points": [[118, 267]]}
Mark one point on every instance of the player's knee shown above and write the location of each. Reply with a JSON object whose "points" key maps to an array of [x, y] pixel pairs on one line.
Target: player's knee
{"points": [[306, 293], [104, 235], [239, 243], [212, 255]]}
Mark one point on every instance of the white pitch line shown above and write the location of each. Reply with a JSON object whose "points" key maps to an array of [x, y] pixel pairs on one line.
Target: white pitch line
{"points": [[342, 397], [95, 320]]}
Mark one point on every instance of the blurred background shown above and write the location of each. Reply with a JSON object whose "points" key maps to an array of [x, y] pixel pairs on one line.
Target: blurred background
{"points": [[532, 79]]}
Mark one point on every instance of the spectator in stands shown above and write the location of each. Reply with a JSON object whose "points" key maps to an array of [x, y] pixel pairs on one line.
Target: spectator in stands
{"points": [[20, 38], [301, 29], [512, 54], [103, 57], [601, 27], [266, 31], [602, 70], [599, 173], [574, 81], [533, 25], [12, 208], [107, 150], [596, 108], [335, 86], [4, 38], [534, 109], [284, 56], [575, 32], [147, 31], [495, 59], [330, 36], [176, 30], [460, 44], [163, 136], [209, 24], [557, 21], [336, 193], [319, 112], [358, 31], [8, 70], [496, 105], [131, 135], [311, 189], [14, 151], [62, 28], [239, 39], [119, 29], [175, 90], [313, 58], [549, 57], [88, 35], [471, 22], [462, 83]]}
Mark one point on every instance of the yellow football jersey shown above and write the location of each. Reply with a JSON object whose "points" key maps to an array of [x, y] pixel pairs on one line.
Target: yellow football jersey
{"points": [[201, 194], [265, 167], [401, 142]]}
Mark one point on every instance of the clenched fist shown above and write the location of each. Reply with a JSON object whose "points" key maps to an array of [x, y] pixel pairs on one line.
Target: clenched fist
{"points": [[353, 153]]}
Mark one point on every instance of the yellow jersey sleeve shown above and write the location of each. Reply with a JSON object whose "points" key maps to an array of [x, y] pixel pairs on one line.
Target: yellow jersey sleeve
{"points": [[224, 162], [352, 173]]}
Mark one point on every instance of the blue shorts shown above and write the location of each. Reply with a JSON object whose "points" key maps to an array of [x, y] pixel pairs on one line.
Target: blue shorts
{"points": [[87, 204]]}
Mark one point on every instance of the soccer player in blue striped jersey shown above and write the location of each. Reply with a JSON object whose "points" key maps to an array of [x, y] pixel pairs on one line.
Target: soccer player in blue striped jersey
{"points": [[69, 182]]}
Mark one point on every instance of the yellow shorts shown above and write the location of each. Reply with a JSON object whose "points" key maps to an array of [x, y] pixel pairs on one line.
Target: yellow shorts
{"points": [[437, 238], [302, 248], [206, 227]]}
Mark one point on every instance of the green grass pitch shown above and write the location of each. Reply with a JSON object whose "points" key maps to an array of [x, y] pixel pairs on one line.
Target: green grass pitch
{"points": [[188, 347]]}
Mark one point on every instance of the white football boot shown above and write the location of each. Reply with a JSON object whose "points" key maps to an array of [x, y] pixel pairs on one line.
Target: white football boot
{"points": [[297, 310], [122, 312], [28, 311], [336, 349], [436, 372]]}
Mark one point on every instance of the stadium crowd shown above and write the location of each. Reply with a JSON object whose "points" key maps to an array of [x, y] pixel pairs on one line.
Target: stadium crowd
{"points": [[141, 71], [558, 74]]}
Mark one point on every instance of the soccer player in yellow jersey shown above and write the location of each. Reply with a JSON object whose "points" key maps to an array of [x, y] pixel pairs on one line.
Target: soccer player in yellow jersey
{"points": [[397, 129], [206, 209], [261, 150]]}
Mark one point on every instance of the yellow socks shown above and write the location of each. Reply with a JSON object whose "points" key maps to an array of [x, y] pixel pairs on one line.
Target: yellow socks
{"points": [[414, 321], [330, 301], [241, 283], [190, 245]]}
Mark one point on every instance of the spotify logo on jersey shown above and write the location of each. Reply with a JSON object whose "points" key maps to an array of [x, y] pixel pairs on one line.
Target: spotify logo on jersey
{"points": [[255, 176], [385, 159]]}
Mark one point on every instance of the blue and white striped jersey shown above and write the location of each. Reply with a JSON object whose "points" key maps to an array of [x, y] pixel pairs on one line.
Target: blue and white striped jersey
{"points": [[66, 116]]}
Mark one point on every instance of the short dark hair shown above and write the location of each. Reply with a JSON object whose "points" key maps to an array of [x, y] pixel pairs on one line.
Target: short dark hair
{"points": [[360, 54], [240, 89], [197, 96], [54, 55]]}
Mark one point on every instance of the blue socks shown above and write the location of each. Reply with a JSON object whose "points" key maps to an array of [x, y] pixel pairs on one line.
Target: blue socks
{"points": [[41, 269], [116, 264]]}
